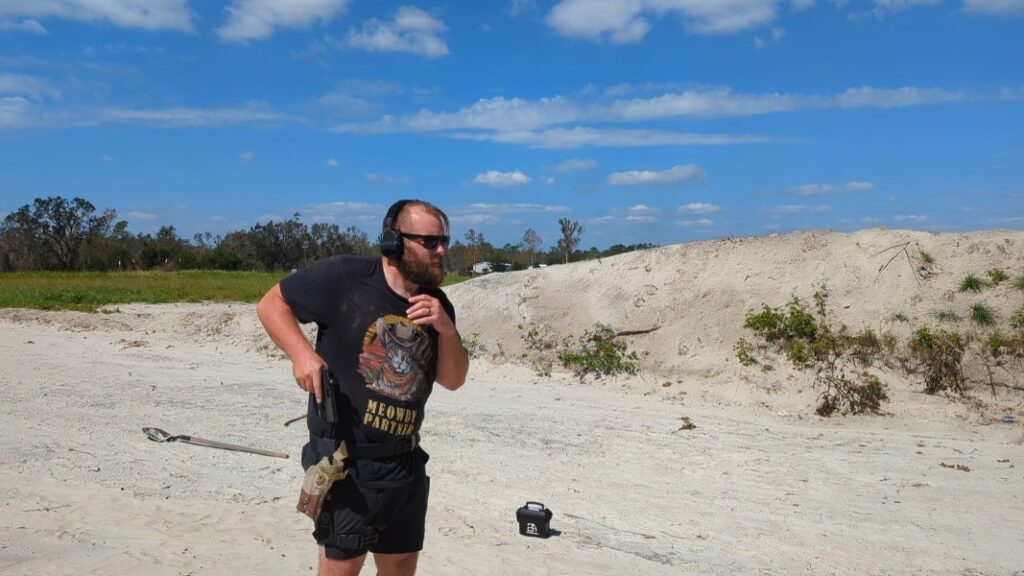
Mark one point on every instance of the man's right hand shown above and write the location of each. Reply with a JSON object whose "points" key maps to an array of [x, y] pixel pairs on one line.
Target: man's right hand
{"points": [[307, 374]]}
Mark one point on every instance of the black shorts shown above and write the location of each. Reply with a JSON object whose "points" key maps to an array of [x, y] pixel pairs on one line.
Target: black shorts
{"points": [[383, 520]]}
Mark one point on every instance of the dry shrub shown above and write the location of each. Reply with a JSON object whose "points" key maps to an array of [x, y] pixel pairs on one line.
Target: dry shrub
{"points": [[939, 356]]}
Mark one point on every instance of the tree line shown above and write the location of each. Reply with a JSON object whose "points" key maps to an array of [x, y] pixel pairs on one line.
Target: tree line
{"points": [[59, 234]]}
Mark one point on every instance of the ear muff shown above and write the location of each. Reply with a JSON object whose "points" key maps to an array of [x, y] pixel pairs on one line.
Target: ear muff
{"points": [[390, 240]]}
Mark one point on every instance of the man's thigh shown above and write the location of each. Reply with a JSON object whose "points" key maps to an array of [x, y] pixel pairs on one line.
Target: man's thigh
{"points": [[396, 564]]}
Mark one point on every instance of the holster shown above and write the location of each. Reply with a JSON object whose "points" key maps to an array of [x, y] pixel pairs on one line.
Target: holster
{"points": [[317, 484]]}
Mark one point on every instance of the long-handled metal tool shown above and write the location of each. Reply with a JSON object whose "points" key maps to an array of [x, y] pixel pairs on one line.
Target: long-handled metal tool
{"points": [[158, 435]]}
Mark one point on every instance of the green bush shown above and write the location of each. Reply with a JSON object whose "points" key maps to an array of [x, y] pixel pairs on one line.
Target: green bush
{"points": [[899, 317], [767, 323], [926, 257], [774, 324], [597, 353], [812, 342], [947, 316]]}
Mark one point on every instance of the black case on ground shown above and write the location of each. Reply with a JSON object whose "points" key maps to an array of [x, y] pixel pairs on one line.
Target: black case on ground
{"points": [[534, 520]]}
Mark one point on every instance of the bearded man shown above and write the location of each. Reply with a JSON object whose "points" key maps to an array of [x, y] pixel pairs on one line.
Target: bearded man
{"points": [[386, 333]]}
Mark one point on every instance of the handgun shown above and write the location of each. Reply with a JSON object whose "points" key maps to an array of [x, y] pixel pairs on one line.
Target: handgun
{"points": [[327, 409]]}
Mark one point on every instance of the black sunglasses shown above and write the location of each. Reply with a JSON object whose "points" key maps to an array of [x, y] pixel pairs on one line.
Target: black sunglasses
{"points": [[428, 241]]}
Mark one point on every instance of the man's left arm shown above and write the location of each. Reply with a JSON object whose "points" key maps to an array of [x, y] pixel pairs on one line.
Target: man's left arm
{"points": [[452, 358]]}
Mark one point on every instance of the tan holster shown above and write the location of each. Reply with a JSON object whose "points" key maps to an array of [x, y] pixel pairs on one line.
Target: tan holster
{"points": [[317, 484]]}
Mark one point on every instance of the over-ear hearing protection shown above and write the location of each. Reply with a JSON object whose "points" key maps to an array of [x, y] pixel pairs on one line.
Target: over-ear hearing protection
{"points": [[390, 240]]}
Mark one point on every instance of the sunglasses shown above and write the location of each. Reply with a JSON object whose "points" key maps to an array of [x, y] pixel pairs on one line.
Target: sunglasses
{"points": [[428, 241]]}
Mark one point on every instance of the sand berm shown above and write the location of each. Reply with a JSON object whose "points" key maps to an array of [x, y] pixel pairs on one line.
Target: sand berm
{"points": [[934, 485]]}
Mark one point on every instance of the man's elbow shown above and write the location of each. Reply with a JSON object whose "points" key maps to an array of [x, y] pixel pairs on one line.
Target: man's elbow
{"points": [[266, 306], [452, 381], [452, 385]]}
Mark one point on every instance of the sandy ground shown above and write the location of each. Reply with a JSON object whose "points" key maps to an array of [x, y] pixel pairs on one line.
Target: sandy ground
{"points": [[760, 486]]}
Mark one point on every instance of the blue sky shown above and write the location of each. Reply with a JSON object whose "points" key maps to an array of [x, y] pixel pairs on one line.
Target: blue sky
{"points": [[659, 121]]}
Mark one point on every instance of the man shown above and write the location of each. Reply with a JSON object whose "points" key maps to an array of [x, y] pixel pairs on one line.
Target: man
{"points": [[386, 332]]}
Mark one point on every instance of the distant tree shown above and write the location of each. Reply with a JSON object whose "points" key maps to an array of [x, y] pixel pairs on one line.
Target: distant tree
{"points": [[497, 260], [477, 244], [59, 228], [327, 240], [530, 243], [571, 233], [279, 245]]}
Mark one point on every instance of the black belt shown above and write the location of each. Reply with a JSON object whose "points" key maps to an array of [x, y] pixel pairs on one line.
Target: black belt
{"points": [[373, 451]]}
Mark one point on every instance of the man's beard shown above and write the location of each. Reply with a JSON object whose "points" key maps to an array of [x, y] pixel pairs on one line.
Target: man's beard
{"points": [[427, 274]]}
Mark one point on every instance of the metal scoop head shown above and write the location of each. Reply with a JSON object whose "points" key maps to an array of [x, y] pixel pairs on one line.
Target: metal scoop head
{"points": [[159, 435]]}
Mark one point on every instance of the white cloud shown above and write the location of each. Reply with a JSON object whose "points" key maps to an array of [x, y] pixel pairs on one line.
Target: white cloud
{"points": [[257, 19], [145, 14], [517, 7], [246, 156], [575, 164], [475, 219], [641, 218], [567, 138], [800, 209], [910, 218], [26, 25], [412, 30], [135, 215], [778, 33], [676, 175], [495, 178], [601, 220], [15, 112], [549, 180], [332, 163], [364, 213], [884, 7], [519, 208], [185, 117], [560, 122], [868, 97], [13, 84], [354, 98], [699, 208], [622, 22], [816, 189], [107, 158], [801, 4], [692, 223], [995, 7], [385, 179], [517, 115]]}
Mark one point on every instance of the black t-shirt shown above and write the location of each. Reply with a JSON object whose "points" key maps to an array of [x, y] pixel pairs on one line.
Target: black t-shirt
{"points": [[384, 364]]}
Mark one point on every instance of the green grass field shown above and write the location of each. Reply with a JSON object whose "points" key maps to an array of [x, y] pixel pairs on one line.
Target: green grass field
{"points": [[88, 291]]}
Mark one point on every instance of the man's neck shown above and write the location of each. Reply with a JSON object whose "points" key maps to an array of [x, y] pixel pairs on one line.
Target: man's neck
{"points": [[397, 282]]}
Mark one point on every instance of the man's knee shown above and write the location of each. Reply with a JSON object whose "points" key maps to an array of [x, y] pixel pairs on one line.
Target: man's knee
{"points": [[396, 564]]}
